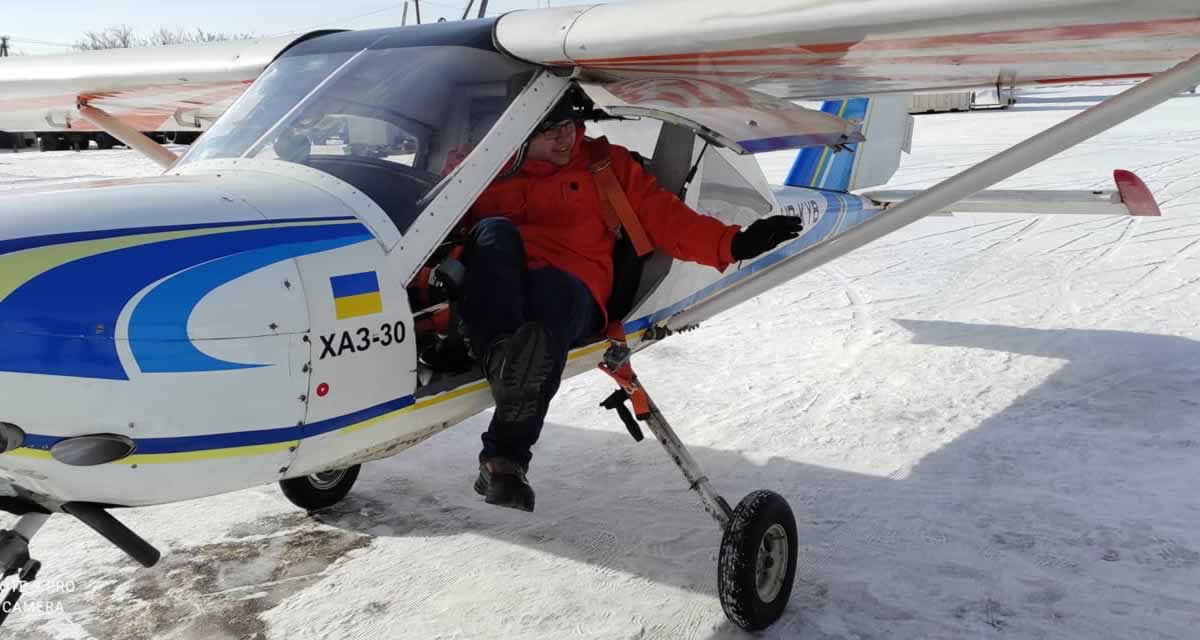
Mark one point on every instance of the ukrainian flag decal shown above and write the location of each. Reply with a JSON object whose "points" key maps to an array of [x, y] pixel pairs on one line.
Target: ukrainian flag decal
{"points": [[356, 294]]}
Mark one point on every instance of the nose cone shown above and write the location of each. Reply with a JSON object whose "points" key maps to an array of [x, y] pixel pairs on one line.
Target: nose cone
{"points": [[91, 273]]}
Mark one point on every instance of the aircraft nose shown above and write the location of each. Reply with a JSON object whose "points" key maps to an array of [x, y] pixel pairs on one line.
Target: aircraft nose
{"points": [[87, 275]]}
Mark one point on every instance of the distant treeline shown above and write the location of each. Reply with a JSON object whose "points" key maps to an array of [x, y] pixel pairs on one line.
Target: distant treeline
{"points": [[124, 37]]}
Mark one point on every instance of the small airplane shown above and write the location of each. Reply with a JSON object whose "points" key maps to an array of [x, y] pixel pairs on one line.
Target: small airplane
{"points": [[272, 308]]}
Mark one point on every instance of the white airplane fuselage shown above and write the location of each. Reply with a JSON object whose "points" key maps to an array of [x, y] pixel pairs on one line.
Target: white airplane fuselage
{"points": [[206, 317], [246, 318]]}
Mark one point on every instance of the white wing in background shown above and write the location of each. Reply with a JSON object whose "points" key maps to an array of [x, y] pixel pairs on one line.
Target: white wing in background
{"points": [[180, 87]]}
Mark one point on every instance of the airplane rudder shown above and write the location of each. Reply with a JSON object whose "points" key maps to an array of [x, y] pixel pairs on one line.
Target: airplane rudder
{"points": [[825, 167]]}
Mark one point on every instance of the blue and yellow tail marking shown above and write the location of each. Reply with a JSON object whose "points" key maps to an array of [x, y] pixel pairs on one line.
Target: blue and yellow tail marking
{"points": [[356, 294], [823, 168]]}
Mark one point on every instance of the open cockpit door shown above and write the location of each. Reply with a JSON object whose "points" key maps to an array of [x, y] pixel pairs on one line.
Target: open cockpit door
{"points": [[740, 120]]}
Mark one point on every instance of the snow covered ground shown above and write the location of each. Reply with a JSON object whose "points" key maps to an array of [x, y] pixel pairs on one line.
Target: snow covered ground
{"points": [[989, 427]]}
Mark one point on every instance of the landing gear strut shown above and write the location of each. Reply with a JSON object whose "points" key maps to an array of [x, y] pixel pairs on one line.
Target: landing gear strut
{"points": [[14, 544], [759, 549], [15, 560]]}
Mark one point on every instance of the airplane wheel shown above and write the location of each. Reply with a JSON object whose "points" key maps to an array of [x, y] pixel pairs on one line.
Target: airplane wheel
{"points": [[757, 562], [48, 142], [320, 490]]}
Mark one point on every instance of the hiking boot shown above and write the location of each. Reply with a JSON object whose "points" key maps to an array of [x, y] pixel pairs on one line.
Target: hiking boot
{"points": [[518, 368], [502, 482]]}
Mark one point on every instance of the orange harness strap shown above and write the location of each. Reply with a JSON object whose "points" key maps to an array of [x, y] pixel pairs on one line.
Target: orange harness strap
{"points": [[615, 204]]}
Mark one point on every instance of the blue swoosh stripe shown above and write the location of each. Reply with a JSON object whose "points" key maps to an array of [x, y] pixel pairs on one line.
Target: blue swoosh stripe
{"points": [[68, 313], [158, 327], [33, 242]]}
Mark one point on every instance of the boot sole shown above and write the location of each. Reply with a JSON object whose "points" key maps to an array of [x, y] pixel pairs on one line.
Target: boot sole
{"points": [[527, 366], [519, 505], [481, 487]]}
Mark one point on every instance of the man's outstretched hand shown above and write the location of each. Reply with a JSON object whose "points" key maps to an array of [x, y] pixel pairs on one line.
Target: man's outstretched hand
{"points": [[764, 235]]}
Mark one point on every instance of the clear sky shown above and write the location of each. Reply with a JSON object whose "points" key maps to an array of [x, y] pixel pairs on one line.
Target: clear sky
{"points": [[47, 26]]}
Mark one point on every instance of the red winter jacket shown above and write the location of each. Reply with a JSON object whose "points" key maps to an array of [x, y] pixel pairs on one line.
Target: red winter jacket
{"points": [[559, 215]]}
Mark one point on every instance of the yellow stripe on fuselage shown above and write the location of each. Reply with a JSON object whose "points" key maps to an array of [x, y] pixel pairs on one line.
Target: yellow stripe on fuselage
{"points": [[209, 454], [262, 449], [19, 267], [363, 304], [25, 452], [182, 456]]}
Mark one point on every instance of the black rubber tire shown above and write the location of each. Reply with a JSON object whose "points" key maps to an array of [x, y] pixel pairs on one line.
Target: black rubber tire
{"points": [[105, 141], [49, 142], [303, 493], [737, 579]]}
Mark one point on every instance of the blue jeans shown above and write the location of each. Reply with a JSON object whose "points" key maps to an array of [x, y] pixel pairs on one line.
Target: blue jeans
{"points": [[499, 295]]}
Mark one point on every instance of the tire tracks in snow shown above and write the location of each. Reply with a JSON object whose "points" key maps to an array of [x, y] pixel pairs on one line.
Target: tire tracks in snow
{"points": [[857, 340], [1066, 280], [1078, 238], [960, 294], [1137, 291]]}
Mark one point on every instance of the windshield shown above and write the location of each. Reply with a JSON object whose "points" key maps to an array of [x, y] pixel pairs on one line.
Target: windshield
{"points": [[391, 122]]}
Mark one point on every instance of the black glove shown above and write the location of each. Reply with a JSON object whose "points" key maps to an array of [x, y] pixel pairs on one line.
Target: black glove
{"points": [[764, 235]]}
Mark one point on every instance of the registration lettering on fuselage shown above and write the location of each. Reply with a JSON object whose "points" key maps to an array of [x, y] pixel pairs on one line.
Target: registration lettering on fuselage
{"points": [[350, 341], [807, 210]]}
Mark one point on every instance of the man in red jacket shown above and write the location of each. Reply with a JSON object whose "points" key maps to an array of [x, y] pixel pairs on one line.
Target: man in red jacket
{"points": [[540, 272]]}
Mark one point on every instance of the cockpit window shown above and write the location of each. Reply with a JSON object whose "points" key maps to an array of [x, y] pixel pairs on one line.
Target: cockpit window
{"points": [[391, 122]]}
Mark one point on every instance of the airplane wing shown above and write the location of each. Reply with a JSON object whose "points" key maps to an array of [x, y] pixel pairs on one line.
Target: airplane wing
{"points": [[808, 49], [181, 87]]}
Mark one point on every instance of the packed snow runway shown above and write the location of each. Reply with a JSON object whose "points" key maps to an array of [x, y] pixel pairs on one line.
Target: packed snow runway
{"points": [[988, 426]]}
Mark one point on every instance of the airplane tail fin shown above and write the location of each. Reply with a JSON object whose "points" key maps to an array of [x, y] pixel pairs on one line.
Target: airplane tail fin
{"points": [[888, 128]]}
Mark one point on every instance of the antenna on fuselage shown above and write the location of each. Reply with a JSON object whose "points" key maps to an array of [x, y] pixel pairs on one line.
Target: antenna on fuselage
{"points": [[417, 4], [482, 9], [404, 16]]}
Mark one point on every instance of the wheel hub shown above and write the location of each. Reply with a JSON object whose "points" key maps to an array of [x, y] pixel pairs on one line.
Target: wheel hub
{"points": [[771, 563], [326, 479]]}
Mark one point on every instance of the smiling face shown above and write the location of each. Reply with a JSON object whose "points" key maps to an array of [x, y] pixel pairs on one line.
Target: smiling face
{"points": [[554, 145]]}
